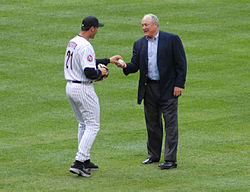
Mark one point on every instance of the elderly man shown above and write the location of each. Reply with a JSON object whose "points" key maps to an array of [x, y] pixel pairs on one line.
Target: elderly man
{"points": [[161, 59]]}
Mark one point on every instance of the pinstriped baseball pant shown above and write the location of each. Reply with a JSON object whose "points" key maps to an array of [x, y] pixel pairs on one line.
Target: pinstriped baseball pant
{"points": [[85, 105]]}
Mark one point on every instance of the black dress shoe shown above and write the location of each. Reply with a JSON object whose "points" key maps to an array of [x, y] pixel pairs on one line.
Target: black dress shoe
{"points": [[149, 161], [168, 165]]}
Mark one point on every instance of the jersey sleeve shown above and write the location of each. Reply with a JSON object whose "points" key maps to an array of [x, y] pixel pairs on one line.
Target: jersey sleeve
{"points": [[88, 58]]}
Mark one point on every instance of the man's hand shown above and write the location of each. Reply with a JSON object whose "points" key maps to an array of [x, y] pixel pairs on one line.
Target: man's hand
{"points": [[177, 91], [114, 59], [121, 64]]}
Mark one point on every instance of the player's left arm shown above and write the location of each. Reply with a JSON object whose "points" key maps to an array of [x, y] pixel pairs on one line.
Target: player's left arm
{"points": [[89, 64], [92, 73]]}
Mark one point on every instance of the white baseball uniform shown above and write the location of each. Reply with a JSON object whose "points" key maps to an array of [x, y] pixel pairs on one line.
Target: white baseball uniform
{"points": [[82, 97]]}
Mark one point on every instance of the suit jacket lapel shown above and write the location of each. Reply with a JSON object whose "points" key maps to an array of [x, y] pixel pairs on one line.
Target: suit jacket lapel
{"points": [[145, 52], [159, 49]]}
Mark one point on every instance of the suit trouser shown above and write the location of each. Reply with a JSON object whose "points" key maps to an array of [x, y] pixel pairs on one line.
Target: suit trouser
{"points": [[154, 109]]}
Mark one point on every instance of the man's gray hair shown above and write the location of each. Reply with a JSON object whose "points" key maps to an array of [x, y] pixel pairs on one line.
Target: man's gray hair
{"points": [[154, 18]]}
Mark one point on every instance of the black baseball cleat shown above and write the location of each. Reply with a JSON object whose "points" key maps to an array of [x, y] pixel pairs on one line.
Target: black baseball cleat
{"points": [[89, 165], [168, 165], [78, 168]]}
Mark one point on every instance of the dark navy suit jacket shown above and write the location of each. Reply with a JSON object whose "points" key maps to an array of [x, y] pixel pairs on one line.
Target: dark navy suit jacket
{"points": [[171, 61]]}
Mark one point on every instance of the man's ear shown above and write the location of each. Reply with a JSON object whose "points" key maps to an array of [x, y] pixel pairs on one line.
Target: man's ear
{"points": [[92, 29]]}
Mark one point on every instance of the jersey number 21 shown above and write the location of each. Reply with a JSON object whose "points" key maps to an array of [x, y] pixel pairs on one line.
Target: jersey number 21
{"points": [[69, 57]]}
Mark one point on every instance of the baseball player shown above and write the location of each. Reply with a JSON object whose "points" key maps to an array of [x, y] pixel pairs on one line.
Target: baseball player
{"points": [[80, 71]]}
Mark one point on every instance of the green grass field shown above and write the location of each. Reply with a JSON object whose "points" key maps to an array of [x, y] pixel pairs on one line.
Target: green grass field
{"points": [[38, 131]]}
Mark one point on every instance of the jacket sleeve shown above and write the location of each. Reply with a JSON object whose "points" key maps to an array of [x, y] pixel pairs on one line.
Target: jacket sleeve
{"points": [[133, 66], [181, 63]]}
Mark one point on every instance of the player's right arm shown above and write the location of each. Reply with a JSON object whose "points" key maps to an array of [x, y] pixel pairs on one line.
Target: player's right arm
{"points": [[104, 61], [114, 59]]}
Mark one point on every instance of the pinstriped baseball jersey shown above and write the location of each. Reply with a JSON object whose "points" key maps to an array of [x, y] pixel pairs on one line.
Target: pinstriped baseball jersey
{"points": [[79, 55]]}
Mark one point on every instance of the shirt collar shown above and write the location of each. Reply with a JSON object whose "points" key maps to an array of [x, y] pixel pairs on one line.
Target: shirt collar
{"points": [[155, 37]]}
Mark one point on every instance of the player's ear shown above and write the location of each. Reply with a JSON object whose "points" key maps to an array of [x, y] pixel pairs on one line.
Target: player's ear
{"points": [[92, 29]]}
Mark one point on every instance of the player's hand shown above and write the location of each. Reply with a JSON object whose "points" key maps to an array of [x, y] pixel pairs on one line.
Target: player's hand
{"points": [[104, 71], [177, 91], [115, 58]]}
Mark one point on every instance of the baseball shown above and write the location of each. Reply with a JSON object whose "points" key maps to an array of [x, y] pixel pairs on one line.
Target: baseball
{"points": [[121, 61]]}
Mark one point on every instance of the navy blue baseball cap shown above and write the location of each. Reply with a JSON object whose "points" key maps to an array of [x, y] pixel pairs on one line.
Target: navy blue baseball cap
{"points": [[90, 21]]}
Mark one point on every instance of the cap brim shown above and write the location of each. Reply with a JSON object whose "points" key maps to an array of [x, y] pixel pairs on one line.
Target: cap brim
{"points": [[100, 25]]}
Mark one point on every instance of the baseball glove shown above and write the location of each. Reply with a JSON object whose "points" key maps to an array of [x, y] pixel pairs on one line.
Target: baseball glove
{"points": [[99, 66]]}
